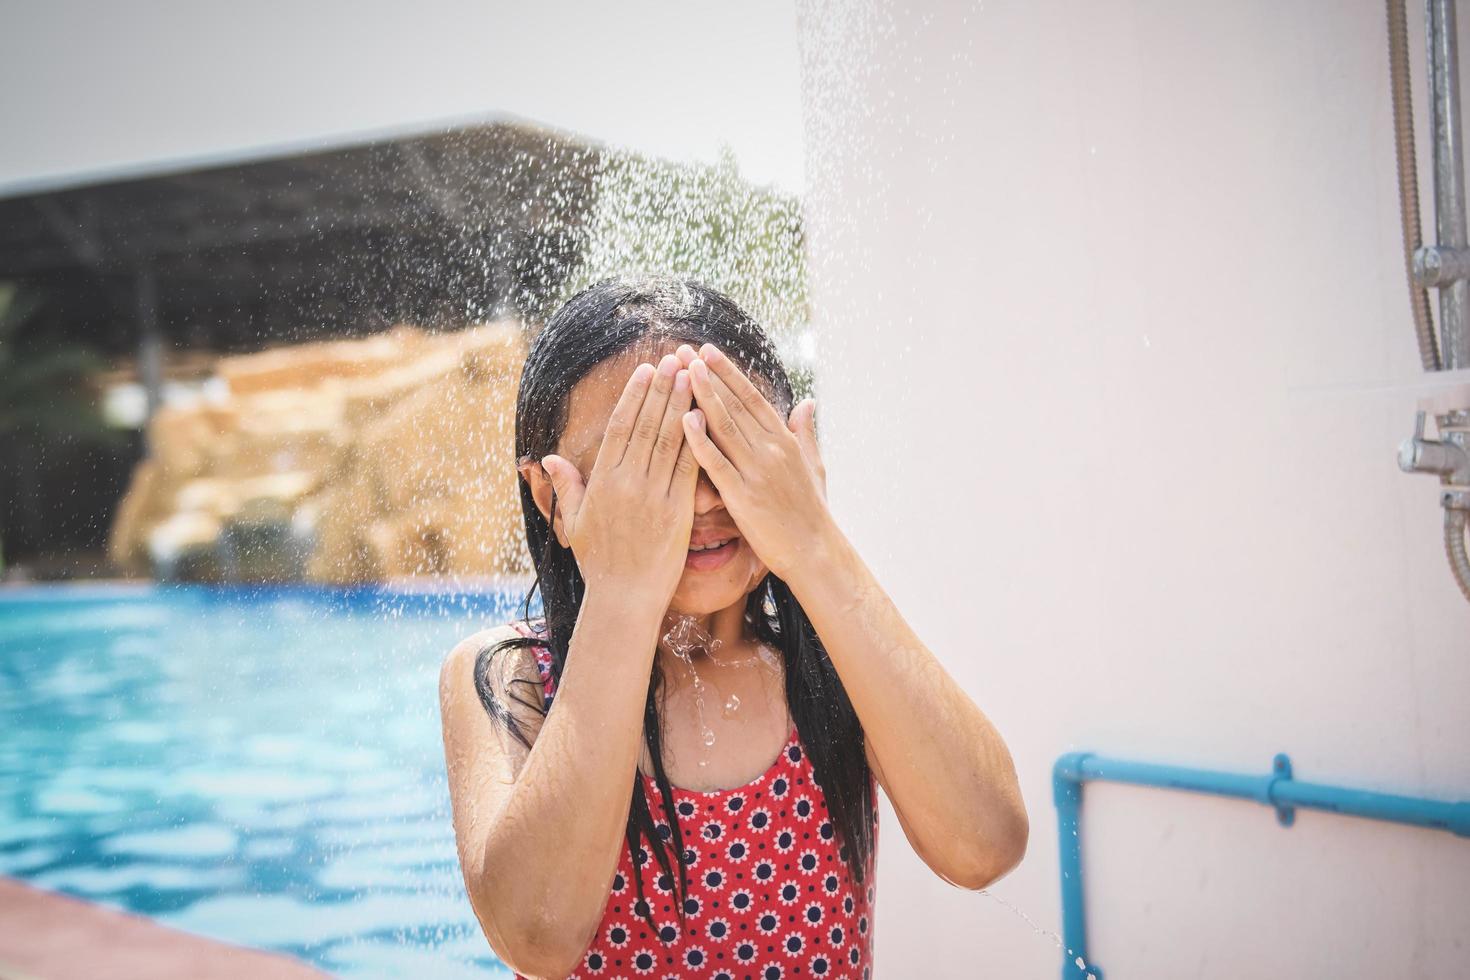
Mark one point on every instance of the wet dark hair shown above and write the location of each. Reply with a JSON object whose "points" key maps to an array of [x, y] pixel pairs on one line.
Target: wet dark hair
{"points": [[598, 323]]}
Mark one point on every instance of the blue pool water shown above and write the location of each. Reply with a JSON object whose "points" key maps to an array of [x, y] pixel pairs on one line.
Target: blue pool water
{"points": [[262, 767]]}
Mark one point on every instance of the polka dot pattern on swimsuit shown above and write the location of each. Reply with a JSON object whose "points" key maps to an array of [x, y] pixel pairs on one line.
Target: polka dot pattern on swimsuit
{"points": [[770, 894]]}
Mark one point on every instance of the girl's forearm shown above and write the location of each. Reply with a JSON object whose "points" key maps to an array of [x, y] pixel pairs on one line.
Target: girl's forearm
{"points": [[947, 770], [556, 844]]}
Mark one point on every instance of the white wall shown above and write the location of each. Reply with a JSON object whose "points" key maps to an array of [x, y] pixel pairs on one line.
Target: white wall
{"points": [[115, 88], [1113, 315]]}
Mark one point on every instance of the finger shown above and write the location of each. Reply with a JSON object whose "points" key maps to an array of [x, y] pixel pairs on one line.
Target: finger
{"points": [[620, 423], [647, 429], [671, 433], [803, 424], [686, 353], [745, 390], [723, 427], [737, 409], [722, 472], [686, 468], [567, 483]]}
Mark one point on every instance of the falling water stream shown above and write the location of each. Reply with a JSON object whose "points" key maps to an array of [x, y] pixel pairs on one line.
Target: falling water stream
{"points": [[682, 639], [845, 48]]}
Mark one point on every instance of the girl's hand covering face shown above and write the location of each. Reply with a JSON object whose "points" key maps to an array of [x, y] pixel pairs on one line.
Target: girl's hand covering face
{"points": [[628, 523], [768, 469]]}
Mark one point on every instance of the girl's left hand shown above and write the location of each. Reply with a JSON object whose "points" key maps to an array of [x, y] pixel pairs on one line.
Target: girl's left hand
{"points": [[768, 469]]}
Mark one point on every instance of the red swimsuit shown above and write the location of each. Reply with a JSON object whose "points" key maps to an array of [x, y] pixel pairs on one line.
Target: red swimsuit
{"points": [[769, 895]]}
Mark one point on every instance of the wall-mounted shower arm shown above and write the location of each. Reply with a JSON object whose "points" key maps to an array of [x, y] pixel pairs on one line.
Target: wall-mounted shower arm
{"points": [[1447, 459]]}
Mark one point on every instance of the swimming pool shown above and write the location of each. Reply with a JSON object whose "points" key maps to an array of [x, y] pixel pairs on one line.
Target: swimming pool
{"points": [[259, 766]]}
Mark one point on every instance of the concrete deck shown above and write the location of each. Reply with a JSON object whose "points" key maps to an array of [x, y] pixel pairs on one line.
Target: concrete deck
{"points": [[47, 936]]}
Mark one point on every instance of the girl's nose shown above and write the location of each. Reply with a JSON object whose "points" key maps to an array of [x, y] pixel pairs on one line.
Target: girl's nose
{"points": [[706, 497]]}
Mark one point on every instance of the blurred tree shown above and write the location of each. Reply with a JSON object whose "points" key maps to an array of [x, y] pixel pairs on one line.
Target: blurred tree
{"points": [[703, 222], [43, 393]]}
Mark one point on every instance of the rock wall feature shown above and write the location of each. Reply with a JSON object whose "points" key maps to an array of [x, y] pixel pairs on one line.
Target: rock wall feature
{"points": [[346, 461]]}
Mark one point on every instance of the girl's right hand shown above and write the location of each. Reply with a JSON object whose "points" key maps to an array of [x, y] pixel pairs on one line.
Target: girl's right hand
{"points": [[629, 522]]}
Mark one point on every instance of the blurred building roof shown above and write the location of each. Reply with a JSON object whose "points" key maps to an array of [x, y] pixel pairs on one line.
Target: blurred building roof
{"points": [[461, 224]]}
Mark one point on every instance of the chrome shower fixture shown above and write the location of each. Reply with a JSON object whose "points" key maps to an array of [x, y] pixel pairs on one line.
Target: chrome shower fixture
{"points": [[1444, 266]]}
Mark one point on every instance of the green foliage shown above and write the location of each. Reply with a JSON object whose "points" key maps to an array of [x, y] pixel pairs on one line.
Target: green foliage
{"points": [[702, 222], [43, 388]]}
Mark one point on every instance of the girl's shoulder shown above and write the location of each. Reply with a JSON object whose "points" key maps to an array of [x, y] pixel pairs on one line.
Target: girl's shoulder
{"points": [[487, 664]]}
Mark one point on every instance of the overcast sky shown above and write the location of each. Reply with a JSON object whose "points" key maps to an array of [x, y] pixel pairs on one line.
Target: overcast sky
{"points": [[93, 89]]}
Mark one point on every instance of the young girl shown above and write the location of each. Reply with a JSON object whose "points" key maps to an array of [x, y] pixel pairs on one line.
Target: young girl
{"points": [[673, 772]]}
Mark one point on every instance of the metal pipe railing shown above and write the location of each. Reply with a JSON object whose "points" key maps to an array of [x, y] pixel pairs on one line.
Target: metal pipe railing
{"points": [[1278, 790]]}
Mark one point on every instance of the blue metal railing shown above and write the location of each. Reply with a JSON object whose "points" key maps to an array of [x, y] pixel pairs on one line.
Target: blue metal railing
{"points": [[1278, 790]]}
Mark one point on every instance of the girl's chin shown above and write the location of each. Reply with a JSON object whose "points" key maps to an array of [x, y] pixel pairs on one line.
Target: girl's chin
{"points": [[702, 602], [699, 594]]}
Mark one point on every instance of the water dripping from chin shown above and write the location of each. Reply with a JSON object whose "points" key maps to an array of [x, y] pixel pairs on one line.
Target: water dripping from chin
{"points": [[682, 639], [686, 635]]}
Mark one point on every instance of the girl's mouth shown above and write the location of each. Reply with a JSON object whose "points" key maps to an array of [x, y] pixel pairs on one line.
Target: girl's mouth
{"points": [[711, 557]]}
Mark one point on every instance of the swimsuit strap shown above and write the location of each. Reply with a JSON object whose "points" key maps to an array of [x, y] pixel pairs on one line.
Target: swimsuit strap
{"points": [[537, 628]]}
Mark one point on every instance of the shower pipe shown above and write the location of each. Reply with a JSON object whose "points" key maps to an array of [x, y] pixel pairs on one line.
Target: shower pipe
{"points": [[1445, 265], [1449, 184], [1278, 790], [1408, 173]]}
